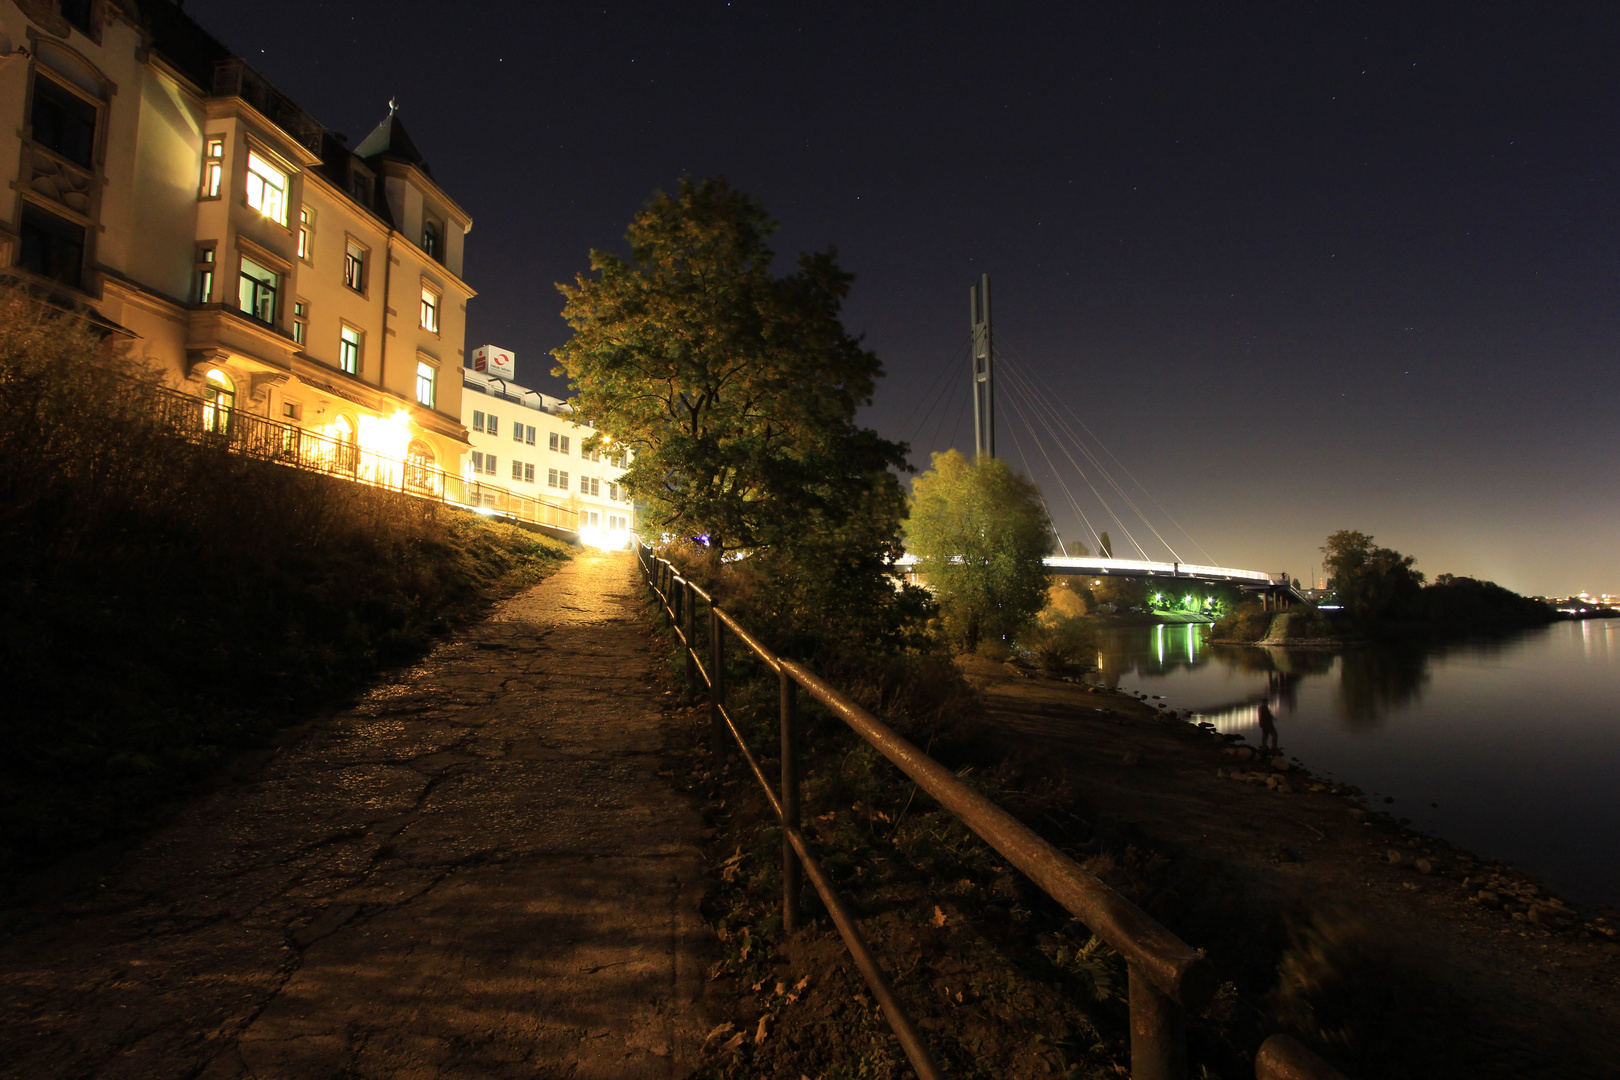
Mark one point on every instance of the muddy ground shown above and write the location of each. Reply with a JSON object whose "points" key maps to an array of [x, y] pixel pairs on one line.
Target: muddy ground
{"points": [[1391, 952]]}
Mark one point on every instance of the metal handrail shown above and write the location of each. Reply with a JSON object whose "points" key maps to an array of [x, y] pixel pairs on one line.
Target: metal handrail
{"points": [[1166, 976], [216, 423]]}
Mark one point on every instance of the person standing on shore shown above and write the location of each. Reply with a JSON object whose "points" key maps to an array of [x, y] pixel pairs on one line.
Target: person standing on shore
{"points": [[1268, 728]]}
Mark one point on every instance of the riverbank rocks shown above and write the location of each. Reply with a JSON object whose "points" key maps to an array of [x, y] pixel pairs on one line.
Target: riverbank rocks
{"points": [[1487, 898], [1241, 753]]}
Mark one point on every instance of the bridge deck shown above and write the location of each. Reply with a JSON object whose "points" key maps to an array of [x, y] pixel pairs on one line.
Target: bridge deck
{"points": [[1087, 566]]}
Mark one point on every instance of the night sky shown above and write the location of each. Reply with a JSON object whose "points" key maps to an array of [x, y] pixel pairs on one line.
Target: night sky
{"points": [[1299, 267]]}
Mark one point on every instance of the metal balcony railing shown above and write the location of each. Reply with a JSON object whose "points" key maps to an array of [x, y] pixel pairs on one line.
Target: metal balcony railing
{"points": [[216, 422], [234, 78]]}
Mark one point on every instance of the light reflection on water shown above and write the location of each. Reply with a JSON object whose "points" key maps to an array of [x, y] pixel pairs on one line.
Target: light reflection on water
{"points": [[1517, 738]]}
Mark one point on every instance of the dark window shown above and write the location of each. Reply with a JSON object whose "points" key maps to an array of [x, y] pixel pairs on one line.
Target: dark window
{"points": [[63, 121], [52, 247], [430, 240], [78, 13], [360, 189]]}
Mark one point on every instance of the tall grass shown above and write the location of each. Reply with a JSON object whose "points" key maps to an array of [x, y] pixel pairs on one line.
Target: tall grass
{"points": [[162, 602]]}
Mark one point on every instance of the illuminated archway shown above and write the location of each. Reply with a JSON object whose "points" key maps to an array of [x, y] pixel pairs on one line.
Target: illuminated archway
{"points": [[219, 401], [421, 466]]}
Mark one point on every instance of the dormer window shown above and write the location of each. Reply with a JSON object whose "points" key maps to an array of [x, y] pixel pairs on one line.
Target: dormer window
{"points": [[360, 188], [430, 240]]}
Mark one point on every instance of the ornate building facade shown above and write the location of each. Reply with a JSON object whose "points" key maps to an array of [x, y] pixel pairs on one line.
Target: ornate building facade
{"points": [[156, 181]]}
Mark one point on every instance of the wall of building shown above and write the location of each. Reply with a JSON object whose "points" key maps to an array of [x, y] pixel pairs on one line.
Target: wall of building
{"points": [[147, 216], [487, 397]]}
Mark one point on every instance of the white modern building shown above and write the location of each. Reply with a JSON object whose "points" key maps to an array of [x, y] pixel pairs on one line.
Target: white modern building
{"points": [[530, 444]]}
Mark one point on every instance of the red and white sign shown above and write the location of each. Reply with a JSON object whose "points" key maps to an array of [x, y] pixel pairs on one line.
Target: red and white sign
{"points": [[494, 360]]}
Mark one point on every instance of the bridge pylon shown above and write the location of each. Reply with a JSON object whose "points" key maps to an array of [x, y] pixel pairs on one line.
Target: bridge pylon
{"points": [[983, 357]]}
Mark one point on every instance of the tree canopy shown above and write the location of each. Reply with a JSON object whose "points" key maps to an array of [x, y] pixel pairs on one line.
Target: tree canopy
{"points": [[735, 389], [1371, 582], [979, 533]]}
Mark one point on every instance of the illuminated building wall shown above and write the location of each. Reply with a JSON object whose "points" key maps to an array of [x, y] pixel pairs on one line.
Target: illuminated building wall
{"points": [[160, 182], [528, 442]]}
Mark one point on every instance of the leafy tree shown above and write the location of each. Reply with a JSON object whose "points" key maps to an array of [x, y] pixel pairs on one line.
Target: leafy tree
{"points": [[735, 389], [1371, 582], [979, 533]]}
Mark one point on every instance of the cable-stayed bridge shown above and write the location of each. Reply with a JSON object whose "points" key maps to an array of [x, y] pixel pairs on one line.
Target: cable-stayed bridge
{"points": [[1103, 495]]}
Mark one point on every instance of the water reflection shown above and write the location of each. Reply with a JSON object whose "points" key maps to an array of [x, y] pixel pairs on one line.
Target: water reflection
{"points": [[1499, 742]]}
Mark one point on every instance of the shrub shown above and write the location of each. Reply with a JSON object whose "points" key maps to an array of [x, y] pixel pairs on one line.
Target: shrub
{"points": [[1249, 622], [1061, 643], [162, 602]]}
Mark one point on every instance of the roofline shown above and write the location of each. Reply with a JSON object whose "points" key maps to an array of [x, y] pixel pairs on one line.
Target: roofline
{"points": [[385, 166]]}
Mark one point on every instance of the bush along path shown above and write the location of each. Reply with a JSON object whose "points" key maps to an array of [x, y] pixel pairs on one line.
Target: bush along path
{"points": [[476, 870]]}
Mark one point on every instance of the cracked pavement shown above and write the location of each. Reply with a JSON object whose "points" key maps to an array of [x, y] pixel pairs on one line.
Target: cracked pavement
{"points": [[474, 872]]}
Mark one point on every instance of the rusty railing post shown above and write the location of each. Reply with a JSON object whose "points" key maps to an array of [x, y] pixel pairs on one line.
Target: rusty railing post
{"points": [[1158, 1032], [688, 628], [718, 743], [790, 801]]}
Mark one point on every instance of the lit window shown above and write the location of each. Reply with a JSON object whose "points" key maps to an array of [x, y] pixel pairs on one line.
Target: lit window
{"points": [[301, 322], [205, 273], [349, 350], [306, 223], [213, 167], [219, 400], [267, 189], [430, 310], [63, 121], [354, 267], [257, 291], [425, 377], [430, 239]]}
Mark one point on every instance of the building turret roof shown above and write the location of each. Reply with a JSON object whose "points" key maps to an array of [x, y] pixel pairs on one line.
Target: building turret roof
{"points": [[390, 140]]}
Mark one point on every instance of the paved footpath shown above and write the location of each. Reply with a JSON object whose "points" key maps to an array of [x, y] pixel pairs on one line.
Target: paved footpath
{"points": [[476, 872]]}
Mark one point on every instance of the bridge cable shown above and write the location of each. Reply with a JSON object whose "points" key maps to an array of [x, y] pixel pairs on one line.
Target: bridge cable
{"points": [[1017, 384], [945, 412], [1013, 400], [1013, 431], [1046, 404], [1052, 395], [952, 368], [945, 395], [1043, 411]]}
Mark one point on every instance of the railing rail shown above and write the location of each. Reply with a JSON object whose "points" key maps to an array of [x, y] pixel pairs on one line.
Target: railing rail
{"points": [[215, 422], [1166, 976]]}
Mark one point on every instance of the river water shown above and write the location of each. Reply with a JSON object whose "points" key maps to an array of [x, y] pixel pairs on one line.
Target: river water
{"points": [[1508, 746]]}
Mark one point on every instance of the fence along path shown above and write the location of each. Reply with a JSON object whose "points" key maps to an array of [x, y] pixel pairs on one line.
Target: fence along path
{"points": [[212, 422], [1166, 976]]}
